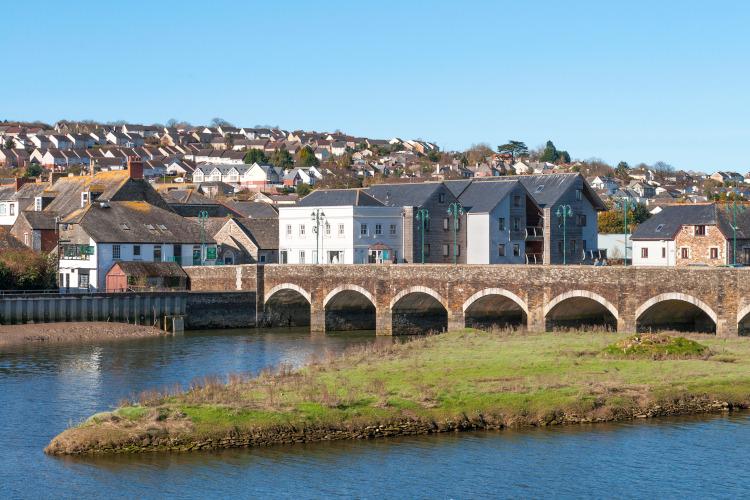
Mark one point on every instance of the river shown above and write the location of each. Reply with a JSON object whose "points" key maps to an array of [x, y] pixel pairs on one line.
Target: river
{"points": [[43, 389]]}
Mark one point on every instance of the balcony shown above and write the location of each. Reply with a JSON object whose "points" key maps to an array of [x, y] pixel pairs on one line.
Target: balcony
{"points": [[534, 233], [535, 258]]}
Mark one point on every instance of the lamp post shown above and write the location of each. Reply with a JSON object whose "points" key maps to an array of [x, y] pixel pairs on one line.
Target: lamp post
{"points": [[624, 202], [423, 216], [203, 217], [733, 209], [317, 216], [564, 212], [456, 210]]}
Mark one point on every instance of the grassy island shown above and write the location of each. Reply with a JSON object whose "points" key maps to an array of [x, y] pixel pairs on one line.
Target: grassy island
{"points": [[456, 381]]}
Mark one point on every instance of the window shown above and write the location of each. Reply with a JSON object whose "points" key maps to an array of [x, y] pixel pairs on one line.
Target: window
{"points": [[328, 229], [458, 250], [501, 250], [288, 229], [2, 208], [283, 257], [157, 253], [700, 230], [301, 229], [516, 250], [581, 219], [177, 253], [445, 250], [441, 198], [136, 251], [714, 253], [341, 230], [363, 229], [262, 259], [501, 224], [378, 229], [38, 204], [573, 246], [516, 223], [659, 228], [26, 239], [392, 230], [427, 250], [12, 209], [116, 252], [539, 188], [663, 252], [579, 194], [301, 256], [445, 224], [644, 253], [560, 247], [458, 224], [685, 253], [83, 280], [516, 200]]}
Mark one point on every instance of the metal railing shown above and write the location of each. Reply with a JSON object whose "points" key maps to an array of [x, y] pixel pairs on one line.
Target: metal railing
{"points": [[533, 232], [535, 258]]}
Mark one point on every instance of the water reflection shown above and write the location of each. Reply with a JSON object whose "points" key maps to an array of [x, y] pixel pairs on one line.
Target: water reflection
{"points": [[43, 388]]}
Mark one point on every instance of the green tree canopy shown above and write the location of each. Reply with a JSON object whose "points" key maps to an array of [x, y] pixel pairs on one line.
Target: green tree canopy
{"points": [[550, 153], [34, 170], [613, 220], [303, 189], [622, 170], [281, 158], [307, 157], [516, 149], [255, 156]]}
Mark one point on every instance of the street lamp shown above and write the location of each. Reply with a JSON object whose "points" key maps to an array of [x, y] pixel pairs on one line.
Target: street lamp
{"points": [[423, 216], [317, 216], [733, 209], [456, 210], [202, 218], [564, 212], [624, 203]]}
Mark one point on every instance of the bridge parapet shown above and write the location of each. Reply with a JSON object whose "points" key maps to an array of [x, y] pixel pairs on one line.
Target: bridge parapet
{"points": [[629, 294]]}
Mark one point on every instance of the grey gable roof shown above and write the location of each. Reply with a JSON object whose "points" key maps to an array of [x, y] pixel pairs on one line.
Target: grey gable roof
{"points": [[338, 198], [482, 197], [405, 195], [665, 224]]}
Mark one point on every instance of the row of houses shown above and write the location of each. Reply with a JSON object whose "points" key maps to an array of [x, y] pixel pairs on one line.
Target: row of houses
{"points": [[510, 220]]}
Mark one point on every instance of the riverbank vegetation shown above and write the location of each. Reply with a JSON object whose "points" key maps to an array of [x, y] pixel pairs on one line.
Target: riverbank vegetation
{"points": [[460, 380], [24, 269]]}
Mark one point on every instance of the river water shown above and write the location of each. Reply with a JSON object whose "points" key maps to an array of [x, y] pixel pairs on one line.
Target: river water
{"points": [[44, 389]]}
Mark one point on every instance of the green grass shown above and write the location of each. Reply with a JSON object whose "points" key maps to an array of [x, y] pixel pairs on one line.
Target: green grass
{"points": [[519, 377], [657, 346]]}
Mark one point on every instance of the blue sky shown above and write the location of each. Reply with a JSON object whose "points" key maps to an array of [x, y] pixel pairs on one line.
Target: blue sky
{"points": [[634, 81]]}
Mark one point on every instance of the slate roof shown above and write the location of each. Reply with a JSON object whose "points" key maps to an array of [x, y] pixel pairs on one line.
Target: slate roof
{"points": [[39, 220], [7, 192], [150, 269], [134, 222], [253, 209], [264, 232], [339, 197], [666, 224], [481, 197], [186, 196], [404, 195]]}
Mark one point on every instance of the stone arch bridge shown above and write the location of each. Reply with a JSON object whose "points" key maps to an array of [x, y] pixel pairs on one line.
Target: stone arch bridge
{"points": [[389, 297]]}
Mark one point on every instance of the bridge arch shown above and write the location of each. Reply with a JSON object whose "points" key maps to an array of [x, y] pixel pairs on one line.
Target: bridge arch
{"points": [[676, 315], [743, 320], [496, 291], [351, 288], [288, 286], [495, 307], [349, 307], [418, 309], [419, 289], [592, 309]]}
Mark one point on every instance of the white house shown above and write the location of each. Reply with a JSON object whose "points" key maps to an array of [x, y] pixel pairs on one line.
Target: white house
{"points": [[355, 228]]}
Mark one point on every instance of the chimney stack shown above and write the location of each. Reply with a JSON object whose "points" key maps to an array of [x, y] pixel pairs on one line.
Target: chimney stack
{"points": [[135, 167], [20, 181]]}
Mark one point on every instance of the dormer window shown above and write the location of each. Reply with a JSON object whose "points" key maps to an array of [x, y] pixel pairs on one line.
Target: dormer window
{"points": [[38, 204], [84, 199]]}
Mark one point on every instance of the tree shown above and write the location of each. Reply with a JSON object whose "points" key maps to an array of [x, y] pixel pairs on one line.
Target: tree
{"points": [[219, 122], [255, 156], [622, 170], [563, 157], [8, 143], [662, 168], [307, 157], [433, 155], [303, 189], [613, 220], [281, 158], [34, 170], [550, 153], [477, 153], [516, 149]]}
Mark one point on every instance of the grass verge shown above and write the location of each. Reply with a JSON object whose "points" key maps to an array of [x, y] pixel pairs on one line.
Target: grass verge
{"points": [[459, 380]]}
